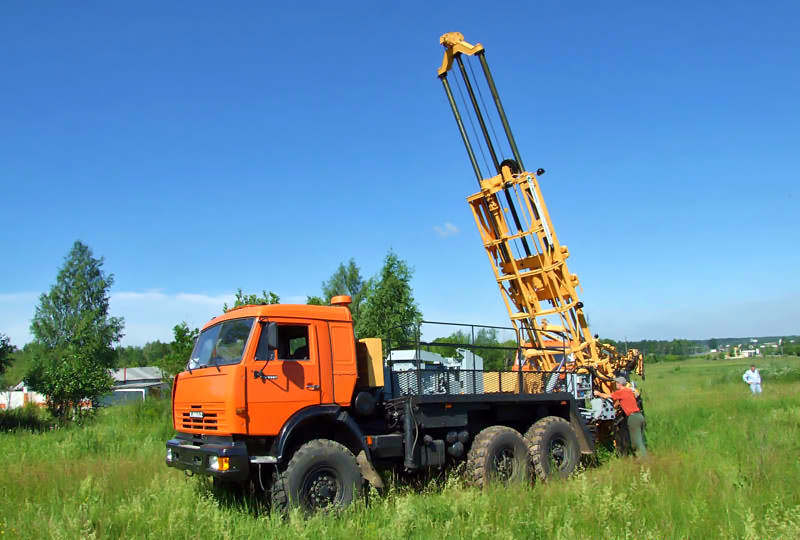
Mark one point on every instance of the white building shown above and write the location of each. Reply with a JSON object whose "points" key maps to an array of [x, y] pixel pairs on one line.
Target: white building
{"points": [[19, 396], [134, 384], [130, 384]]}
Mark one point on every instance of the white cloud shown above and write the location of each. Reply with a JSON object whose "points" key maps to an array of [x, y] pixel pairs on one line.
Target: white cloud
{"points": [[149, 315], [447, 230], [151, 295], [11, 298]]}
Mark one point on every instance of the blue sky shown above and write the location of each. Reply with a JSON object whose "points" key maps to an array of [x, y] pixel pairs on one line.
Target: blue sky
{"points": [[202, 146]]}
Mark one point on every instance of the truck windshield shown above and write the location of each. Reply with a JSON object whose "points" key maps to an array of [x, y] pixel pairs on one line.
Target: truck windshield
{"points": [[221, 344]]}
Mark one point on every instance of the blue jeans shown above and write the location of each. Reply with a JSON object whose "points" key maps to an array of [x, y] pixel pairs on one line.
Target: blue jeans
{"points": [[755, 388]]}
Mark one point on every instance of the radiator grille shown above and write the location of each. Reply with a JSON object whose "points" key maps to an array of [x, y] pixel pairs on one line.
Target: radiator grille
{"points": [[212, 419]]}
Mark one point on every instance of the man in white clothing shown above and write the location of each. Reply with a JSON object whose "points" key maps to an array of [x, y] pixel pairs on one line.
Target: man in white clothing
{"points": [[753, 378]]}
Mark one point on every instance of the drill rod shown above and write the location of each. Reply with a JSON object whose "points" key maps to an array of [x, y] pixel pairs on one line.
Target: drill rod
{"points": [[478, 113], [500, 111], [461, 129]]}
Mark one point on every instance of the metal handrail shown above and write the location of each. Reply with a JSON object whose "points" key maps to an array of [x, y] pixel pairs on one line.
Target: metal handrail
{"points": [[418, 344], [440, 382]]}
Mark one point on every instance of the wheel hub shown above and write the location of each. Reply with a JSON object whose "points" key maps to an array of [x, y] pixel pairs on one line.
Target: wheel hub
{"points": [[503, 464], [557, 452], [322, 489]]}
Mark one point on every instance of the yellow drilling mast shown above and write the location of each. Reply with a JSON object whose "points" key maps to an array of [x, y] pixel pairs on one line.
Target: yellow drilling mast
{"points": [[528, 261]]}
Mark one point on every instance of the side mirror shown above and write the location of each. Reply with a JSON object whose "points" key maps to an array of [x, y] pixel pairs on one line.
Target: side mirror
{"points": [[268, 341]]}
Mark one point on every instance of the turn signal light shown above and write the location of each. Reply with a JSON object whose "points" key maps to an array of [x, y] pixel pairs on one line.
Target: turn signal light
{"points": [[219, 463]]}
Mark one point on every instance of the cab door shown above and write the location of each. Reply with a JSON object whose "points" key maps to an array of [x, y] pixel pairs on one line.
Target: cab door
{"points": [[288, 381]]}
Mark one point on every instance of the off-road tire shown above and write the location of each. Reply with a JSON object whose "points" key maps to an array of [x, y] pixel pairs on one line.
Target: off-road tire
{"points": [[549, 435], [316, 469], [498, 454]]}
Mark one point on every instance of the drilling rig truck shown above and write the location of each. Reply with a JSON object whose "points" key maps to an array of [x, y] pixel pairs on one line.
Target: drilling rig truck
{"points": [[285, 399]]}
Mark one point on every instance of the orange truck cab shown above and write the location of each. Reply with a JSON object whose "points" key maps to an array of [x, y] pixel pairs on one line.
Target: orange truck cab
{"points": [[284, 398]]}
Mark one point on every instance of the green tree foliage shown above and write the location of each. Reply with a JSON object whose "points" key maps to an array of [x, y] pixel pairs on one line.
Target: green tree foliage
{"points": [[20, 361], [347, 280], [485, 345], [148, 355], [494, 359], [315, 301], [180, 350], [665, 350], [253, 299], [389, 310], [713, 343], [74, 335], [6, 352], [450, 343]]}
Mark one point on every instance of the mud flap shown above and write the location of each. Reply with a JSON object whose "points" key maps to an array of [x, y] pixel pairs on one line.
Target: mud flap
{"points": [[368, 471]]}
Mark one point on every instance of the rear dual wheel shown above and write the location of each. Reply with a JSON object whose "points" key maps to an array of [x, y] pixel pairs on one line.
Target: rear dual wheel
{"points": [[499, 454], [554, 447]]}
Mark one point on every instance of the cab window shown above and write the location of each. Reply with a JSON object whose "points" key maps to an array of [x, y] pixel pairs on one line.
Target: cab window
{"points": [[293, 342], [221, 344]]}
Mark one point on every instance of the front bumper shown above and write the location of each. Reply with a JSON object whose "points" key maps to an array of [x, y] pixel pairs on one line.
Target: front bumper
{"points": [[194, 456]]}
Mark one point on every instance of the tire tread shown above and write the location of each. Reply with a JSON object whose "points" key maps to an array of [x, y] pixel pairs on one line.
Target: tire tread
{"points": [[534, 437], [279, 492], [476, 457]]}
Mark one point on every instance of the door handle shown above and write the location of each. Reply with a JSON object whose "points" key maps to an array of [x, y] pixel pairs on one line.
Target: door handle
{"points": [[310, 386]]}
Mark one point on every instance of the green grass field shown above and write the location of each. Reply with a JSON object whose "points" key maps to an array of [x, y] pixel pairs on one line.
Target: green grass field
{"points": [[723, 465]]}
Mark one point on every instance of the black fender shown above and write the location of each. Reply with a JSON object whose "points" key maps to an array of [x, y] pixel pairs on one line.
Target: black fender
{"points": [[330, 413], [585, 439], [345, 419]]}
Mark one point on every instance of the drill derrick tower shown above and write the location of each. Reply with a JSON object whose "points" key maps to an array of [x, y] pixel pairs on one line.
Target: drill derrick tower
{"points": [[527, 258]]}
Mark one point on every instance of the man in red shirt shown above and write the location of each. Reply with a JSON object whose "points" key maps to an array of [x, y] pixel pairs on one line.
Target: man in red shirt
{"points": [[626, 399]]}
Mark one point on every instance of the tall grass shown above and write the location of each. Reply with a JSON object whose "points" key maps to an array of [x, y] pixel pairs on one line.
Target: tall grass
{"points": [[723, 465], [30, 417], [772, 371]]}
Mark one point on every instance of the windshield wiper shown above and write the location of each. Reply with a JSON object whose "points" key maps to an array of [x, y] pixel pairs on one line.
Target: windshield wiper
{"points": [[214, 361]]}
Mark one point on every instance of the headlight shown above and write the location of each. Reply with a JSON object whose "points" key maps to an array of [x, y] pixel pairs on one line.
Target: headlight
{"points": [[219, 463], [169, 454]]}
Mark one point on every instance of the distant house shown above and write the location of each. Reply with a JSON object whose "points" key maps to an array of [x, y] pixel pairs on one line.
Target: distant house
{"points": [[135, 384], [19, 396], [130, 384]]}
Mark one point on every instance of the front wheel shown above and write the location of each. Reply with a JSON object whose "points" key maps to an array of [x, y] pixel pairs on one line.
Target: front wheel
{"points": [[321, 475]]}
